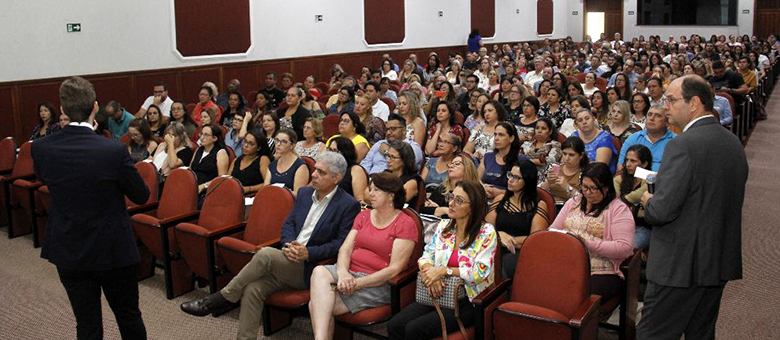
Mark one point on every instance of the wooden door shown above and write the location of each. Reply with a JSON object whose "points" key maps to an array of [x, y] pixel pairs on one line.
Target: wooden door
{"points": [[766, 18], [613, 23]]}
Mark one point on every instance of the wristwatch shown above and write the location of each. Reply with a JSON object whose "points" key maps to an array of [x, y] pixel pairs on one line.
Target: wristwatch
{"points": [[449, 271], [569, 190]]}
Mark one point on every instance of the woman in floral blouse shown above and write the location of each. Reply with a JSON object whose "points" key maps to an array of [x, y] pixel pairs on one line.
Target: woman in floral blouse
{"points": [[481, 140], [554, 108], [545, 150], [463, 247]]}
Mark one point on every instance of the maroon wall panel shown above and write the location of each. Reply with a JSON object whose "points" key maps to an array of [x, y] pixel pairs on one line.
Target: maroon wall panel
{"points": [[279, 68], [306, 68], [205, 27], [246, 74], [192, 81], [31, 96], [118, 89], [383, 21], [7, 114], [544, 17], [144, 85], [483, 17]]}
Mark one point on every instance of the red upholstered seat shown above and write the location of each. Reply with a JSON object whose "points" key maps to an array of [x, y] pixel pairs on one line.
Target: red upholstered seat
{"points": [[11, 195], [23, 207], [581, 78], [310, 162], [148, 173], [7, 155], [545, 196], [550, 296], [179, 203], [330, 126], [290, 298], [323, 99], [263, 228], [368, 316], [42, 202], [222, 214], [389, 103]]}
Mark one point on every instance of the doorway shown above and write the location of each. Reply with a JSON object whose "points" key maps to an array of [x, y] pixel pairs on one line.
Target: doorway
{"points": [[603, 16]]}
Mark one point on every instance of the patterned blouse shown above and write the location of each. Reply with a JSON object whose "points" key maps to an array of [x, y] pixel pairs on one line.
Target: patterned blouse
{"points": [[471, 122], [640, 122], [475, 263], [53, 127], [307, 152], [623, 136], [483, 141], [590, 228], [375, 129], [558, 116], [549, 154], [455, 130]]}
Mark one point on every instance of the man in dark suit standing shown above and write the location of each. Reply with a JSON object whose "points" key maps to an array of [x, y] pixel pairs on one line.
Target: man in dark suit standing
{"points": [[313, 231], [696, 212], [88, 234]]}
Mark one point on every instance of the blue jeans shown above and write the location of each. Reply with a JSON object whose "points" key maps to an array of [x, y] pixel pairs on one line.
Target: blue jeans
{"points": [[642, 237]]}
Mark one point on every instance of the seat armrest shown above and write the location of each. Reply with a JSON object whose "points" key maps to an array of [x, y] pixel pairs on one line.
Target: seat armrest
{"points": [[146, 207], [403, 278], [218, 233], [277, 242], [30, 185], [11, 179], [587, 310], [492, 292], [174, 220]]}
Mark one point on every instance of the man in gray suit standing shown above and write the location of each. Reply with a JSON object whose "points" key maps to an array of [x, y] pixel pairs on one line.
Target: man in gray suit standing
{"points": [[696, 213]]}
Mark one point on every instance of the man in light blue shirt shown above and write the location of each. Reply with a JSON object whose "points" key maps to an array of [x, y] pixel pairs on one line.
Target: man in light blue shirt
{"points": [[628, 69], [395, 128], [118, 119], [655, 136], [723, 107]]}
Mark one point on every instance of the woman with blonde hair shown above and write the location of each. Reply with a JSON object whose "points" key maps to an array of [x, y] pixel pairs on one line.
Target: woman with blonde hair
{"points": [[175, 151], [312, 138], [620, 123], [375, 127], [461, 168], [409, 108]]}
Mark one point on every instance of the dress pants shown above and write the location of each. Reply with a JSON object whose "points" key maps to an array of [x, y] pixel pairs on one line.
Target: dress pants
{"points": [[268, 272], [120, 287], [418, 322], [669, 312]]}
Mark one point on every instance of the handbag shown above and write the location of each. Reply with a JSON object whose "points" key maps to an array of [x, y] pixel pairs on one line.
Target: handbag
{"points": [[452, 292]]}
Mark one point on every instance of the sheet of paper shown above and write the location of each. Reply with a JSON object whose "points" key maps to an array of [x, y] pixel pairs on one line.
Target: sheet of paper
{"points": [[249, 200], [643, 173]]}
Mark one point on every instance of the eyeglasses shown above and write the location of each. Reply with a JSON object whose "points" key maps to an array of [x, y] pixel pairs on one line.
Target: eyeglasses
{"points": [[589, 189], [394, 128], [346, 121], [454, 164], [281, 141], [671, 100], [638, 101], [177, 109], [457, 200], [205, 134], [512, 177], [391, 157]]}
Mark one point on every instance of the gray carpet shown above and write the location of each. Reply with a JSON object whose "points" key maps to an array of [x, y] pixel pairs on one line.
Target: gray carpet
{"points": [[33, 304]]}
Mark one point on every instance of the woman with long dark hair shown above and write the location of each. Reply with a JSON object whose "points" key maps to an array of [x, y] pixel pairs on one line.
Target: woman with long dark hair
{"points": [[544, 150], [494, 166], [210, 160], [142, 144], [563, 181], [517, 214], [630, 189], [253, 162], [180, 115], [605, 225], [48, 120], [355, 180]]}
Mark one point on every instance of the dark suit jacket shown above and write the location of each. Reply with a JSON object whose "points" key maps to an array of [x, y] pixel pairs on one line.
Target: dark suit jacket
{"points": [[330, 231], [88, 176], [697, 208]]}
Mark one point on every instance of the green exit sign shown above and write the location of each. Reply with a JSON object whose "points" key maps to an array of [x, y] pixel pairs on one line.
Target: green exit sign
{"points": [[74, 27]]}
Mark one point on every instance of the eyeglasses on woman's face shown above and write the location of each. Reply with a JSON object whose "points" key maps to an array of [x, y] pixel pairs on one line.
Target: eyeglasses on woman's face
{"points": [[454, 164], [281, 141], [513, 178], [457, 200], [590, 189]]}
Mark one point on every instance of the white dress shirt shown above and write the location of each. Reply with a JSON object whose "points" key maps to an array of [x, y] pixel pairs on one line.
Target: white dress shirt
{"points": [[315, 212]]}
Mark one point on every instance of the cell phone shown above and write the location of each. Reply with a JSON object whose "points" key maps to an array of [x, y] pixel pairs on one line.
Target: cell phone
{"points": [[555, 168], [439, 94]]}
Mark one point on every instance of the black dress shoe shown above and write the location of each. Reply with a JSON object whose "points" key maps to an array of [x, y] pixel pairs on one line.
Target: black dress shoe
{"points": [[207, 305]]}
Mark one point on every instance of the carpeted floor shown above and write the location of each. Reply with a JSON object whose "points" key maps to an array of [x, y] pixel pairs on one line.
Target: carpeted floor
{"points": [[33, 304]]}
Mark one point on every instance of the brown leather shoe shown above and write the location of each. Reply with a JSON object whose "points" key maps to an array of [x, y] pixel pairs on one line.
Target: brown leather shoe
{"points": [[207, 305]]}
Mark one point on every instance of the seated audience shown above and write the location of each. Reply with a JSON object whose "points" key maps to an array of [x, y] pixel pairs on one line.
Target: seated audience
{"points": [[605, 225], [723, 108], [375, 127], [471, 108], [517, 214], [305, 242], [375, 161], [210, 160], [409, 108], [353, 129], [253, 163], [462, 247], [205, 101], [378, 107], [311, 144], [441, 123], [590, 84], [235, 106], [600, 107], [345, 103], [460, 169], [526, 123], [175, 151], [481, 140], [400, 163], [180, 115], [261, 106], [355, 180], [387, 91], [544, 150], [287, 168], [223, 100], [270, 126], [239, 126], [620, 123], [514, 102], [655, 136], [48, 120], [640, 104], [493, 168], [563, 182], [294, 116], [142, 143], [158, 98], [157, 122], [435, 170], [119, 119], [598, 143], [376, 249], [554, 108], [630, 190]]}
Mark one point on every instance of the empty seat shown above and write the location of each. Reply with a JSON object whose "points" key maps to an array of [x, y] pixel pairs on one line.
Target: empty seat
{"points": [[23, 169]]}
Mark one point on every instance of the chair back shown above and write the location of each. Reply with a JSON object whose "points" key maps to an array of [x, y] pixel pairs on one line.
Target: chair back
{"points": [[125, 139], [271, 206], [231, 154], [421, 196], [310, 162], [7, 154], [148, 173], [581, 78], [323, 99], [180, 194], [420, 244], [330, 126], [323, 87], [601, 83], [107, 134], [24, 161], [224, 203], [553, 272], [389, 103], [459, 118], [545, 196]]}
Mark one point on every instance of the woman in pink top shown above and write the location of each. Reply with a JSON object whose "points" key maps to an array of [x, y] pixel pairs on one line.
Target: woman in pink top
{"points": [[604, 223], [376, 249]]}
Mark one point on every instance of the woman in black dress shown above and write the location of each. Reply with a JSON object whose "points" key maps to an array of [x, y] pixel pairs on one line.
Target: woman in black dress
{"points": [[253, 163], [517, 214], [210, 160]]}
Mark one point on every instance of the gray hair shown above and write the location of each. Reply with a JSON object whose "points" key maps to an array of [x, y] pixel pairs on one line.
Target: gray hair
{"points": [[335, 162], [657, 106]]}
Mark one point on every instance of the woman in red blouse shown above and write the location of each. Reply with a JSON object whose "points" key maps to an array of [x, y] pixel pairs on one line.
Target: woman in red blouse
{"points": [[377, 248]]}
